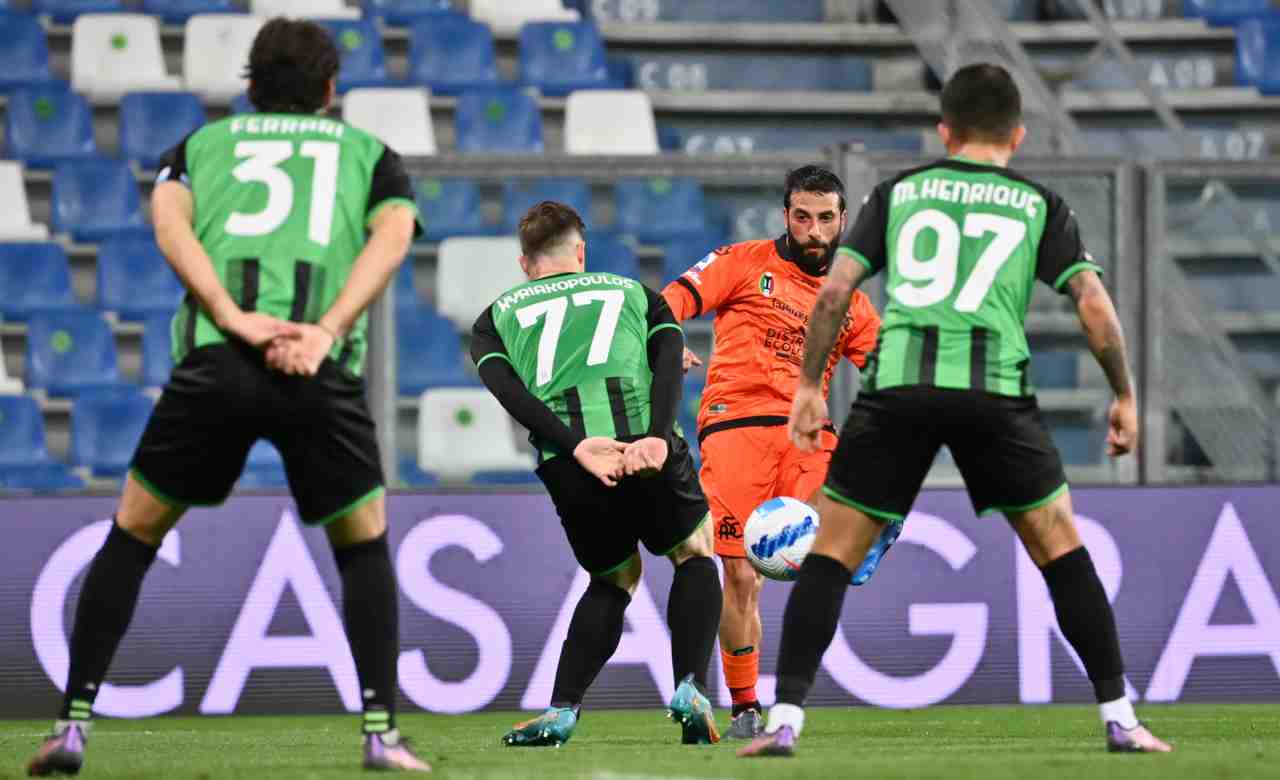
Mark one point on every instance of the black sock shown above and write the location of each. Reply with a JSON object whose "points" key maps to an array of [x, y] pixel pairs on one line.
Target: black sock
{"points": [[1086, 620], [370, 612], [813, 612], [107, 601], [594, 633], [693, 615]]}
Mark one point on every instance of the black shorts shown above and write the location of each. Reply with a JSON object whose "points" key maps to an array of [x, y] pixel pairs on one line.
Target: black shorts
{"points": [[222, 398], [1000, 444], [605, 523]]}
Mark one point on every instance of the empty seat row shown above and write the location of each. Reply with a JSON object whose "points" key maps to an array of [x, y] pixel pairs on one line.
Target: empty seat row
{"points": [[133, 279]]}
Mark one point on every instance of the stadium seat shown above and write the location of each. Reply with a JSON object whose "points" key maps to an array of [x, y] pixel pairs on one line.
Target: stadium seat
{"points": [[505, 477], [506, 18], [622, 74], [1224, 12], [360, 44], [471, 273], [498, 120], [70, 352], [47, 124], [65, 11], [215, 50], [606, 254], [428, 351], [450, 54], [112, 54], [400, 118], [683, 252], [134, 279], [559, 57], [311, 9], [413, 477], [609, 122], [38, 478], [24, 51], [465, 430], [402, 12], [21, 431], [157, 350], [9, 385], [105, 429], [15, 217], [264, 468], [1055, 368], [96, 198], [240, 104], [152, 123], [34, 278], [179, 11], [659, 209], [687, 417], [519, 195], [1258, 54], [406, 289], [450, 207]]}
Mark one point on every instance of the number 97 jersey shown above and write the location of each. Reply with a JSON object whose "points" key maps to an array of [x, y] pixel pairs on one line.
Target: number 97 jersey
{"points": [[962, 244]]}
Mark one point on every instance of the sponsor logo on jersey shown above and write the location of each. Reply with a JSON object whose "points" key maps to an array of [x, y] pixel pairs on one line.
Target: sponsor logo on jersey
{"points": [[766, 284], [717, 408], [767, 545]]}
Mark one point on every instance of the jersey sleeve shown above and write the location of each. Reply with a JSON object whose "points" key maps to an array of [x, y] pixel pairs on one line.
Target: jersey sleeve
{"points": [[866, 329], [486, 344], [1062, 253], [390, 184], [173, 165], [705, 286], [866, 240]]}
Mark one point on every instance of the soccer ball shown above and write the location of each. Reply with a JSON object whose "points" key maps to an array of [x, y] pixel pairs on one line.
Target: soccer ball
{"points": [[778, 535]]}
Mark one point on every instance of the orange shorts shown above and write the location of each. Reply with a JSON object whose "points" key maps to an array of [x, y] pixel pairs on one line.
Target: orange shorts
{"points": [[744, 467]]}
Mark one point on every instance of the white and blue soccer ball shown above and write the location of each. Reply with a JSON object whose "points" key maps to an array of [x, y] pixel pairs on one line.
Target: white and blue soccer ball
{"points": [[778, 536]]}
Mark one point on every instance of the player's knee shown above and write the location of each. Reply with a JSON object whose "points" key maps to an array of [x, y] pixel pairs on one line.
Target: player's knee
{"points": [[627, 577], [144, 516], [742, 584], [698, 545], [365, 523]]}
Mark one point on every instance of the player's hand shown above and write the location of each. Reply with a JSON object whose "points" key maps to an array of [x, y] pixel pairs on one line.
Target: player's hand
{"points": [[259, 330], [303, 355], [808, 415], [690, 360], [1123, 426], [645, 457], [602, 456]]}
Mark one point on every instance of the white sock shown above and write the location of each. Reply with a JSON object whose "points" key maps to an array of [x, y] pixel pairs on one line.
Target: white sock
{"points": [[785, 715], [1120, 711]]}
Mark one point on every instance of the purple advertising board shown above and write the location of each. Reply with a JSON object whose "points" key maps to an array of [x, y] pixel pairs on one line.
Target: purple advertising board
{"points": [[241, 613]]}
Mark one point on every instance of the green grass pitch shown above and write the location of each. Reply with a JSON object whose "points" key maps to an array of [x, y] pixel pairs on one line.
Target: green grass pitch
{"points": [[1027, 743]]}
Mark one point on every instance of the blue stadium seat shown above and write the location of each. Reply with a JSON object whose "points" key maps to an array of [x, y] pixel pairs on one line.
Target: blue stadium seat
{"points": [[70, 352], [414, 477], [34, 278], [264, 469], [152, 123], [499, 119], [687, 417], [622, 74], [406, 290], [519, 195], [669, 138], [1055, 368], [105, 429], [363, 60], [1258, 54], [65, 11], [157, 350], [682, 253], [607, 254], [428, 351], [240, 104], [504, 477], [47, 124], [21, 431], [1080, 445], [24, 51], [134, 280], [560, 57], [659, 209], [1224, 12], [179, 11], [401, 12], [450, 207], [38, 478], [451, 53], [96, 198]]}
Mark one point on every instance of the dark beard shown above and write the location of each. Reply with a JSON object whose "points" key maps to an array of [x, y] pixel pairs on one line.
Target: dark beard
{"points": [[815, 264]]}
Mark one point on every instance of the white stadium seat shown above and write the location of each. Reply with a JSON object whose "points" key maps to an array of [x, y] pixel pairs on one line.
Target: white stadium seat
{"points": [[15, 217], [310, 9], [506, 18], [462, 430], [471, 273], [399, 117], [112, 54], [216, 52], [603, 121]]}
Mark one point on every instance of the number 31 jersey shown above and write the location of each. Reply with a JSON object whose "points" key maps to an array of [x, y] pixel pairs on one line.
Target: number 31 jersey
{"points": [[281, 206], [962, 244]]}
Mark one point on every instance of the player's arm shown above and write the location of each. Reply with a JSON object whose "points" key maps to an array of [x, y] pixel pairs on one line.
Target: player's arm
{"points": [[703, 288], [665, 350]]}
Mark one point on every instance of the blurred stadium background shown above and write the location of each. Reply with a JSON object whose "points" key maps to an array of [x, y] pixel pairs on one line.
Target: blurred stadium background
{"points": [[670, 123]]}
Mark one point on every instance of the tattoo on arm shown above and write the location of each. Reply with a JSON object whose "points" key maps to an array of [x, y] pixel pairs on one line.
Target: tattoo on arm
{"points": [[828, 315], [1102, 329]]}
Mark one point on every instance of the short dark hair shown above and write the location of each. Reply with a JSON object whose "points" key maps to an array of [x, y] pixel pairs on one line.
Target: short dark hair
{"points": [[813, 178], [982, 103], [290, 66], [547, 224]]}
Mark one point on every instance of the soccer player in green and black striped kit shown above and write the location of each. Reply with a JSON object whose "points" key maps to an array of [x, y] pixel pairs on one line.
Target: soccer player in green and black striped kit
{"points": [[590, 363], [283, 226], [962, 242]]}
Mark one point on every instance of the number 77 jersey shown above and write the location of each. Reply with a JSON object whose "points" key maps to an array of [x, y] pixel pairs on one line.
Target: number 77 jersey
{"points": [[962, 244]]}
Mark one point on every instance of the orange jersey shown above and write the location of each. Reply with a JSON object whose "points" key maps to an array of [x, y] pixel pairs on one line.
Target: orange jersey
{"points": [[762, 302]]}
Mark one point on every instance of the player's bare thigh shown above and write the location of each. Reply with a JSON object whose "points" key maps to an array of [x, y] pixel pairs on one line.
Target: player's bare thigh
{"points": [[362, 524], [143, 515], [845, 533], [1048, 532]]}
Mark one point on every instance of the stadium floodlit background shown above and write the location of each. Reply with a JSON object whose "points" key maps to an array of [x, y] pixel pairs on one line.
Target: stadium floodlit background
{"points": [[670, 125]]}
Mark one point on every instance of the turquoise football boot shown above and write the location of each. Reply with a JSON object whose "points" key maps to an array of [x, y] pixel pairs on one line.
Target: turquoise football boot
{"points": [[552, 728], [693, 712]]}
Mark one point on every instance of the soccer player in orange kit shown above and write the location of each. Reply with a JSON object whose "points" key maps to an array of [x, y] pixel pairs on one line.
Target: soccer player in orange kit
{"points": [[762, 293]]}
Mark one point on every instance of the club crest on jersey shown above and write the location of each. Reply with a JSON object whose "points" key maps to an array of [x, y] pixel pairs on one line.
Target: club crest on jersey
{"points": [[766, 284]]}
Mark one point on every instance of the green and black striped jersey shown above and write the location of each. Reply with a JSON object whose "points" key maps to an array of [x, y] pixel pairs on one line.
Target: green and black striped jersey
{"points": [[281, 206], [962, 244]]}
